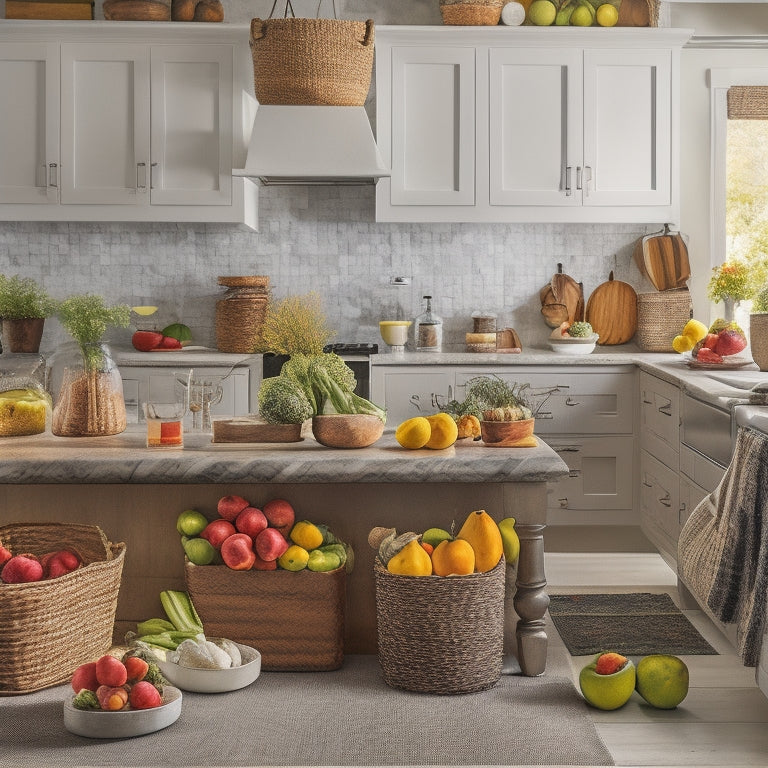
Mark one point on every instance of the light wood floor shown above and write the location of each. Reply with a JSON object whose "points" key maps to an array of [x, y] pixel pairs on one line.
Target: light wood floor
{"points": [[723, 720]]}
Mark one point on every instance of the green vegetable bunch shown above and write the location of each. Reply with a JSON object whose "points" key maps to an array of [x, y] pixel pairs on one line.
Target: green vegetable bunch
{"points": [[22, 297], [86, 318], [282, 401], [491, 398]]}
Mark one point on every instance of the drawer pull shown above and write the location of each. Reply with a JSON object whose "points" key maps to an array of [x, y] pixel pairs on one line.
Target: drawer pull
{"points": [[574, 473], [665, 501], [568, 449], [563, 502], [647, 484], [666, 410], [570, 403]]}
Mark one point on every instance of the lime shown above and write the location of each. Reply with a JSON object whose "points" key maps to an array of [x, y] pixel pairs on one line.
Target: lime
{"points": [[581, 17], [607, 15], [662, 680], [199, 551], [434, 536], [191, 522], [542, 13]]}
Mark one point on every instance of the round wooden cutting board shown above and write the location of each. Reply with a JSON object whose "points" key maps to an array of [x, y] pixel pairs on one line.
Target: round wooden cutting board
{"points": [[612, 311]]}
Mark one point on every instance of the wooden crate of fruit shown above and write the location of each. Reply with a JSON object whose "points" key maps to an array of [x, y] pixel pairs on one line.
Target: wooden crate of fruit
{"points": [[54, 619], [294, 619]]}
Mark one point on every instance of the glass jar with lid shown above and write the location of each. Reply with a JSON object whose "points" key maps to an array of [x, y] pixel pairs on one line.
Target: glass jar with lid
{"points": [[25, 406], [429, 330]]}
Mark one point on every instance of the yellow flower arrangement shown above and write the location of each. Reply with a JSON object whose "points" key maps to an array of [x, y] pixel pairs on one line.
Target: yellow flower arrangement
{"points": [[730, 280]]}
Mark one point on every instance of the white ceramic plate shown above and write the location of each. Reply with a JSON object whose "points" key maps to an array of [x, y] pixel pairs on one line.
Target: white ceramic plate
{"points": [[96, 724], [215, 680]]}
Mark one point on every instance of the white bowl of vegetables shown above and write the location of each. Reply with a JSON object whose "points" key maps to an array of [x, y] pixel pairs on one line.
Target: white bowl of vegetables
{"points": [[576, 338], [200, 665]]}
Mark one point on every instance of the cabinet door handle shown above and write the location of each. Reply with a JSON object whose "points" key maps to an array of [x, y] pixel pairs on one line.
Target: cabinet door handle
{"points": [[570, 403], [568, 449], [53, 175], [141, 175], [587, 178], [578, 177], [665, 410], [152, 167], [563, 502], [415, 401], [574, 473], [568, 170]]}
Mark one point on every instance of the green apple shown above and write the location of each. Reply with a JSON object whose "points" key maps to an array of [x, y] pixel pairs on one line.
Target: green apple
{"points": [[199, 551], [191, 522], [510, 540], [434, 536], [662, 680], [608, 690]]}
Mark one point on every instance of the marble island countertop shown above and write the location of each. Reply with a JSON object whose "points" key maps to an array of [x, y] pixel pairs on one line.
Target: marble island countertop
{"points": [[124, 458]]}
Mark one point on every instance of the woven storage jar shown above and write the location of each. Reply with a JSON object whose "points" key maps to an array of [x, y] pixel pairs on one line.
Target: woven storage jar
{"points": [[320, 62], [660, 317], [471, 12], [294, 619], [49, 628], [241, 312], [439, 634]]}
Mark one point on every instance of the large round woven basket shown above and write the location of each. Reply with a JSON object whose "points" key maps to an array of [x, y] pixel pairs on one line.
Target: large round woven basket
{"points": [[471, 12], [49, 628], [660, 317], [758, 339], [312, 61], [439, 634]]}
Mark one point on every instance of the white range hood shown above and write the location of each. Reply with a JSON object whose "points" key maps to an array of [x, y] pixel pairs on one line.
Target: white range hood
{"points": [[312, 145]]}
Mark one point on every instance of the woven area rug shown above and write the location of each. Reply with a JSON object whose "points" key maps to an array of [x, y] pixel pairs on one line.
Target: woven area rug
{"points": [[346, 717], [635, 624]]}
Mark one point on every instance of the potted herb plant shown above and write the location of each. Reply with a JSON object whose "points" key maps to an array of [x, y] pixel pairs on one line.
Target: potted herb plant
{"points": [[758, 328], [90, 394], [24, 306]]}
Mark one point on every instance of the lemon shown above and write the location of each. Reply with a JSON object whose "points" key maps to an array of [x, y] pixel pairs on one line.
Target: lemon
{"points": [[414, 433], [306, 535], [695, 329], [295, 558], [542, 13], [683, 343], [144, 311], [444, 431], [607, 15], [662, 680], [581, 17]]}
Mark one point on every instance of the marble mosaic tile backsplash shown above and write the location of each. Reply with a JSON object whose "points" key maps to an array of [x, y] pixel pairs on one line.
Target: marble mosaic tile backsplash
{"points": [[323, 239]]}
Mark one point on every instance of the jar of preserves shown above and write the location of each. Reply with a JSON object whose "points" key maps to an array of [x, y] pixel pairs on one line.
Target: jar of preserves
{"points": [[25, 406]]}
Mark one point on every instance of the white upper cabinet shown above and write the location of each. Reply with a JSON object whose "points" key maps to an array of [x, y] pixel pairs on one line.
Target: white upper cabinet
{"points": [[29, 130], [528, 124], [132, 122]]}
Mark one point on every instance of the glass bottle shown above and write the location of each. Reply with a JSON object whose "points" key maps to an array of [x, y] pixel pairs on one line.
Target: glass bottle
{"points": [[429, 330], [25, 406], [88, 392]]}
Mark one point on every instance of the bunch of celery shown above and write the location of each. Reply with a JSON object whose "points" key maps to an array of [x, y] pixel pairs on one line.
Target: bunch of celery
{"points": [[182, 624]]}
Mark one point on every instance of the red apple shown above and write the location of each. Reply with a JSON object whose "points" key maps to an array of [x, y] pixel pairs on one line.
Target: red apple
{"points": [[5, 555], [63, 561], [251, 521], [237, 552], [21, 569], [217, 531], [168, 342], [280, 515], [270, 544], [730, 342], [146, 341], [229, 507], [264, 565]]}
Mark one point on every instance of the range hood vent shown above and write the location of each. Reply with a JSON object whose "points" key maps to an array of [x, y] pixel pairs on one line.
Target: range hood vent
{"points": [[312, 145]]}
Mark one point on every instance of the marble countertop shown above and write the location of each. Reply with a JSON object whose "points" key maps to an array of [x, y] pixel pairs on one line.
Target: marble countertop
{"points": [[124, 458]]}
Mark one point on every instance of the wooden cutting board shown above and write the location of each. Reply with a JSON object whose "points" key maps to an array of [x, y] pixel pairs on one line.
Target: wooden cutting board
{"points": [[612, 311], [665, 260], [562, 298]]}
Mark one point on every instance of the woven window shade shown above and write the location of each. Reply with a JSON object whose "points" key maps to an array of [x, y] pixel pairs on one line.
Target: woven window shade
{"points": [[748, 102]]}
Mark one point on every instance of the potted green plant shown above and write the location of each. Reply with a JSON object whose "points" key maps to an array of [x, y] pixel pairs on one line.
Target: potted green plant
{"points": [[758, 328], [90, 393], [24, 306]]}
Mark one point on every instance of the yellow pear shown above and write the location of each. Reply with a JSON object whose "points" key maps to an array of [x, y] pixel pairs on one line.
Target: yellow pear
{"points": [[481, 531], [411, 560], [510, 540]]}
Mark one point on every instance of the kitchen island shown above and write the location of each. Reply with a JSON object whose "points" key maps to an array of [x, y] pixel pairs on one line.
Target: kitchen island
{"points": [[135, 495]]}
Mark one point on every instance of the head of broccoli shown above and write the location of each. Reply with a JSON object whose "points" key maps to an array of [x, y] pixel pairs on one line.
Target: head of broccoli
{"points": [[283, 401]]}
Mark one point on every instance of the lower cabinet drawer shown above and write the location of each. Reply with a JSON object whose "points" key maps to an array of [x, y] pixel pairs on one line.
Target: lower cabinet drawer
{"points": [[659, 496]]}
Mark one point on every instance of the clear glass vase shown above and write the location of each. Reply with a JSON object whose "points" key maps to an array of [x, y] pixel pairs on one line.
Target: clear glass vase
{"points": [[88, 392]]}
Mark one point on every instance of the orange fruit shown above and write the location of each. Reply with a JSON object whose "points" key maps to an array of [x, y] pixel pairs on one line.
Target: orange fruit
{"points": [[453, 558]]}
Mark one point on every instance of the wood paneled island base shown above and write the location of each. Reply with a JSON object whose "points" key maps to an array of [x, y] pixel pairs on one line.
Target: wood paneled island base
{"points": [[135, 496]]}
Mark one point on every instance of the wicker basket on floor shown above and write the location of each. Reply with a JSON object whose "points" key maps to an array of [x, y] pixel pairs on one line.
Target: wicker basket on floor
{"points": [[660, 317], [49, 628], [471, 12], [441, 634]]}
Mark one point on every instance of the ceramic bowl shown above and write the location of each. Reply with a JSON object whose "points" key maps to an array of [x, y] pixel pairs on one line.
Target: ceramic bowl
{"points": [[127, 723], [214, 680], [505, 433], [574, 345], [394, 332], [347, 430]]}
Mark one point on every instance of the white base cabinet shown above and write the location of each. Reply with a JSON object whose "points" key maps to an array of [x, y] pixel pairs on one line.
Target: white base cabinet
{"points": [[123, 122], [506, 124]]}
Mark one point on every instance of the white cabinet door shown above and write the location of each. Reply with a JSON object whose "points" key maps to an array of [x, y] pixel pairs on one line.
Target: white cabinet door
{"points": [[535, 111], [659, 503], [29, 128], [627, 127], [405, 394], [191, 136], [432, 126], [104, 124]]}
